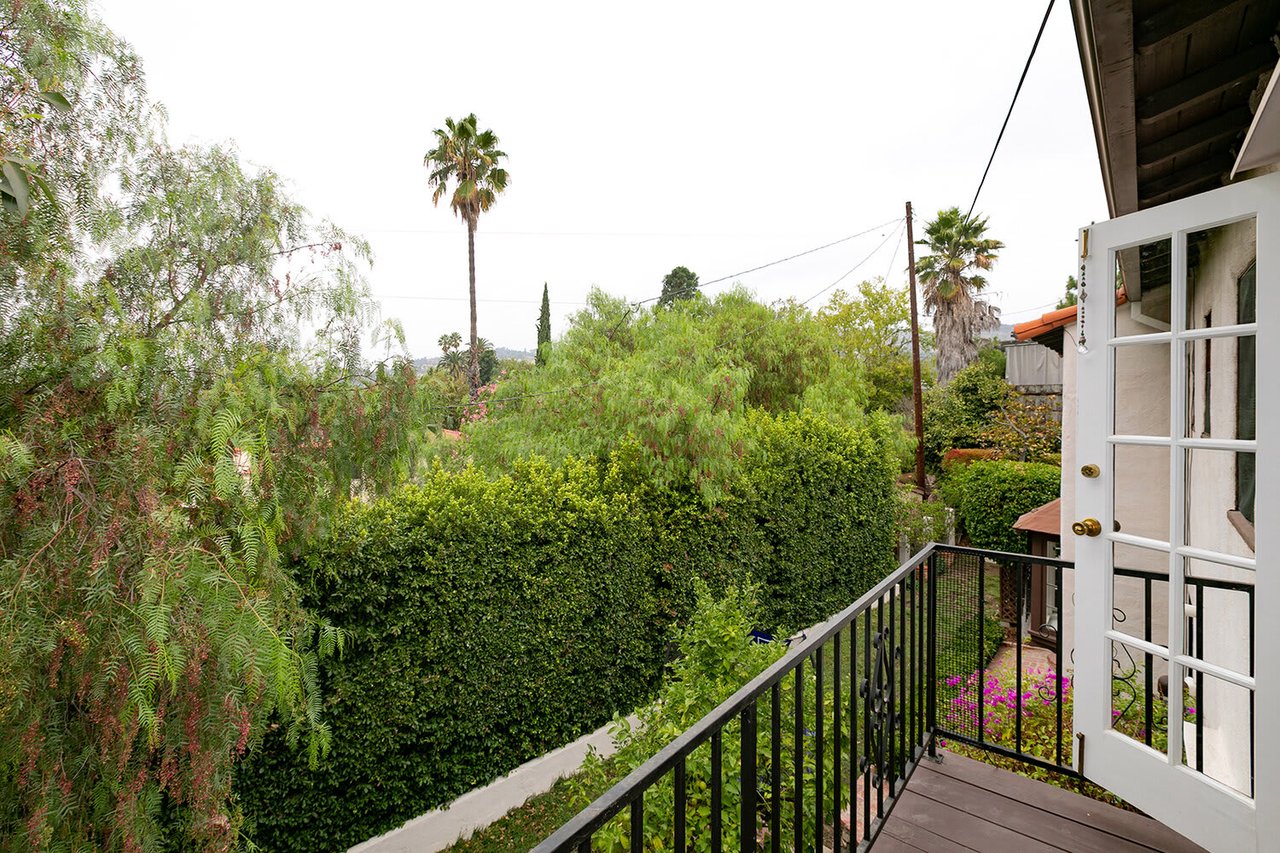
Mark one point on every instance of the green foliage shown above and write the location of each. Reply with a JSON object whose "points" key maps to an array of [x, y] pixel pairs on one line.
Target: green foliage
{"points": [[1069, 297], [495, 618], [1038, 708], [989, 497], [873, 329], [1024, 430], [717, 656], [920, 521], [679, 284], [992, 357], [959, 413], [183, 403], [678, 382], [544, 327]]}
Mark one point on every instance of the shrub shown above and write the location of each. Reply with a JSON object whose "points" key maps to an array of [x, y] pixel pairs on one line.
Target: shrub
{"points": [[920, 521], [494, 619], [989, 497], [958, 413], [1037, 705], [717, 657], [1024, 430], [965, 455]]}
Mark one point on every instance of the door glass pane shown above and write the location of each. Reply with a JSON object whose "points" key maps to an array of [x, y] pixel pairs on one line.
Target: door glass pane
{"points": [[1221, 393], [1217, 259], [1219, 613], [1219, 484], [1142, 390], [1145, 274], [1138, 710], [1217, 730], [1140, 598], [1141, 491]]}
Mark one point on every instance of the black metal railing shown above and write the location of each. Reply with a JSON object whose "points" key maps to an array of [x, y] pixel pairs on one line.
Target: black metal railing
{"points": [[959, 647], [991, 689]]}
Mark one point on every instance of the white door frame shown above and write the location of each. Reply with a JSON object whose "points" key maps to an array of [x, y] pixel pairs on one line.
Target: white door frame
{"points": [[1213, 815]]}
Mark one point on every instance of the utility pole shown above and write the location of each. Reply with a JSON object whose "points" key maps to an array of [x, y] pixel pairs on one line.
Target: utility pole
{"points": [[917, 391]]}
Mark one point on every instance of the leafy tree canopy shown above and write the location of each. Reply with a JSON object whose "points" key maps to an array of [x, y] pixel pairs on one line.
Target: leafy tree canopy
{"points": [[679, 381], [680, 283], [183, 401], [1069, 296], [872, 327]]}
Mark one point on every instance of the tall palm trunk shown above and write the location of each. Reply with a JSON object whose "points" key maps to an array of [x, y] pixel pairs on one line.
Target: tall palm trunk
{"points": [[473, 366]]}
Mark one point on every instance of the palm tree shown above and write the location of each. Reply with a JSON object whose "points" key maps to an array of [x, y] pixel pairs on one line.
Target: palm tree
{"points": [[950, 286], [468, 159], [452, 359]]}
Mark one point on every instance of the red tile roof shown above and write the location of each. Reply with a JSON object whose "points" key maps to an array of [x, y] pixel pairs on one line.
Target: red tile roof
{"points": [[1044, 519], [1032, 329]]}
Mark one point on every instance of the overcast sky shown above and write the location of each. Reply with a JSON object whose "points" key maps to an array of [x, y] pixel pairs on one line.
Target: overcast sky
{"points": [[716, 136]]}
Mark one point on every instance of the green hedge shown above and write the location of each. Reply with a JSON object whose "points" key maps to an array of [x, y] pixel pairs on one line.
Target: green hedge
{"points": [[989, 497], [493, 619]]}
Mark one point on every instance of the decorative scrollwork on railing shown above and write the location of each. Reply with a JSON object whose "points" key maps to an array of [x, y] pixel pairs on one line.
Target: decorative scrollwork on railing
{"points": [[880, 696]]}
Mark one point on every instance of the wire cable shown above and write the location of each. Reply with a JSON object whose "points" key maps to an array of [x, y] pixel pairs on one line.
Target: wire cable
{"points": [[1016, 91], [725, 278], [634, 306]]}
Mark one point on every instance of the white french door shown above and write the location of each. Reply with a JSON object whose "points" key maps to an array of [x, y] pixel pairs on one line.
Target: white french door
{"points": [[1177, 603]]}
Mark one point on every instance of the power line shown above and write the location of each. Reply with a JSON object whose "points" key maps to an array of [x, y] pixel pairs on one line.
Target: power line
{"points": [[894, 257], [464, 299], [726, 235], [1016, 91], [849, 271], [631, 309], [839, 279], [724, 278]]}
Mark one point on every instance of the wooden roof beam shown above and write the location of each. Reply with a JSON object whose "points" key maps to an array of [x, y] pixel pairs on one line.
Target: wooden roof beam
{"points": [[1221, 126], [1176, 19], [1241, 69], [1202, 172]]}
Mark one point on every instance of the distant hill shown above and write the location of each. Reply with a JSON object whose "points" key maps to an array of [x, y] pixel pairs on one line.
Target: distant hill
{"points": [[428, 362]]}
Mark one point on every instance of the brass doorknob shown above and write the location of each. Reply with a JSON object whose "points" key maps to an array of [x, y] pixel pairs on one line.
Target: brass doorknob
{"points": [[1088, 527]]}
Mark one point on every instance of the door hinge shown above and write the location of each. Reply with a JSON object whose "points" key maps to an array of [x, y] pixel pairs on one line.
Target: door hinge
{"points": [[1080, 754]]}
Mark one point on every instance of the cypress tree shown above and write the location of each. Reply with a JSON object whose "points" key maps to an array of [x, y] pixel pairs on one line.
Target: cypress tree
{"points": [[544, 327]]}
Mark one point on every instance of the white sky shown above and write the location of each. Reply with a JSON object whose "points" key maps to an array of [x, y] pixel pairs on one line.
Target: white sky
{"points": [[716, 136]]}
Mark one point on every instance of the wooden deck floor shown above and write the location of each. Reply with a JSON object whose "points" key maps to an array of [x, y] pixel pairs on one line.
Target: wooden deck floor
{"points": [[962, 805]]}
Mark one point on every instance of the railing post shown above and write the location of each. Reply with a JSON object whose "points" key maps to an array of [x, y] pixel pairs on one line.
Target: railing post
{"points": [[748, 818], [931, 709]]}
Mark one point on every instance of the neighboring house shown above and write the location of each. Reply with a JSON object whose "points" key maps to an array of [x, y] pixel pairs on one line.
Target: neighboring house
{"points": [[1163, 431]]}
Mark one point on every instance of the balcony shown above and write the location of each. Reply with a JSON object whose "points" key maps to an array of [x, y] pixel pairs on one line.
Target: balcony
{"points": [[865, 734]]}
